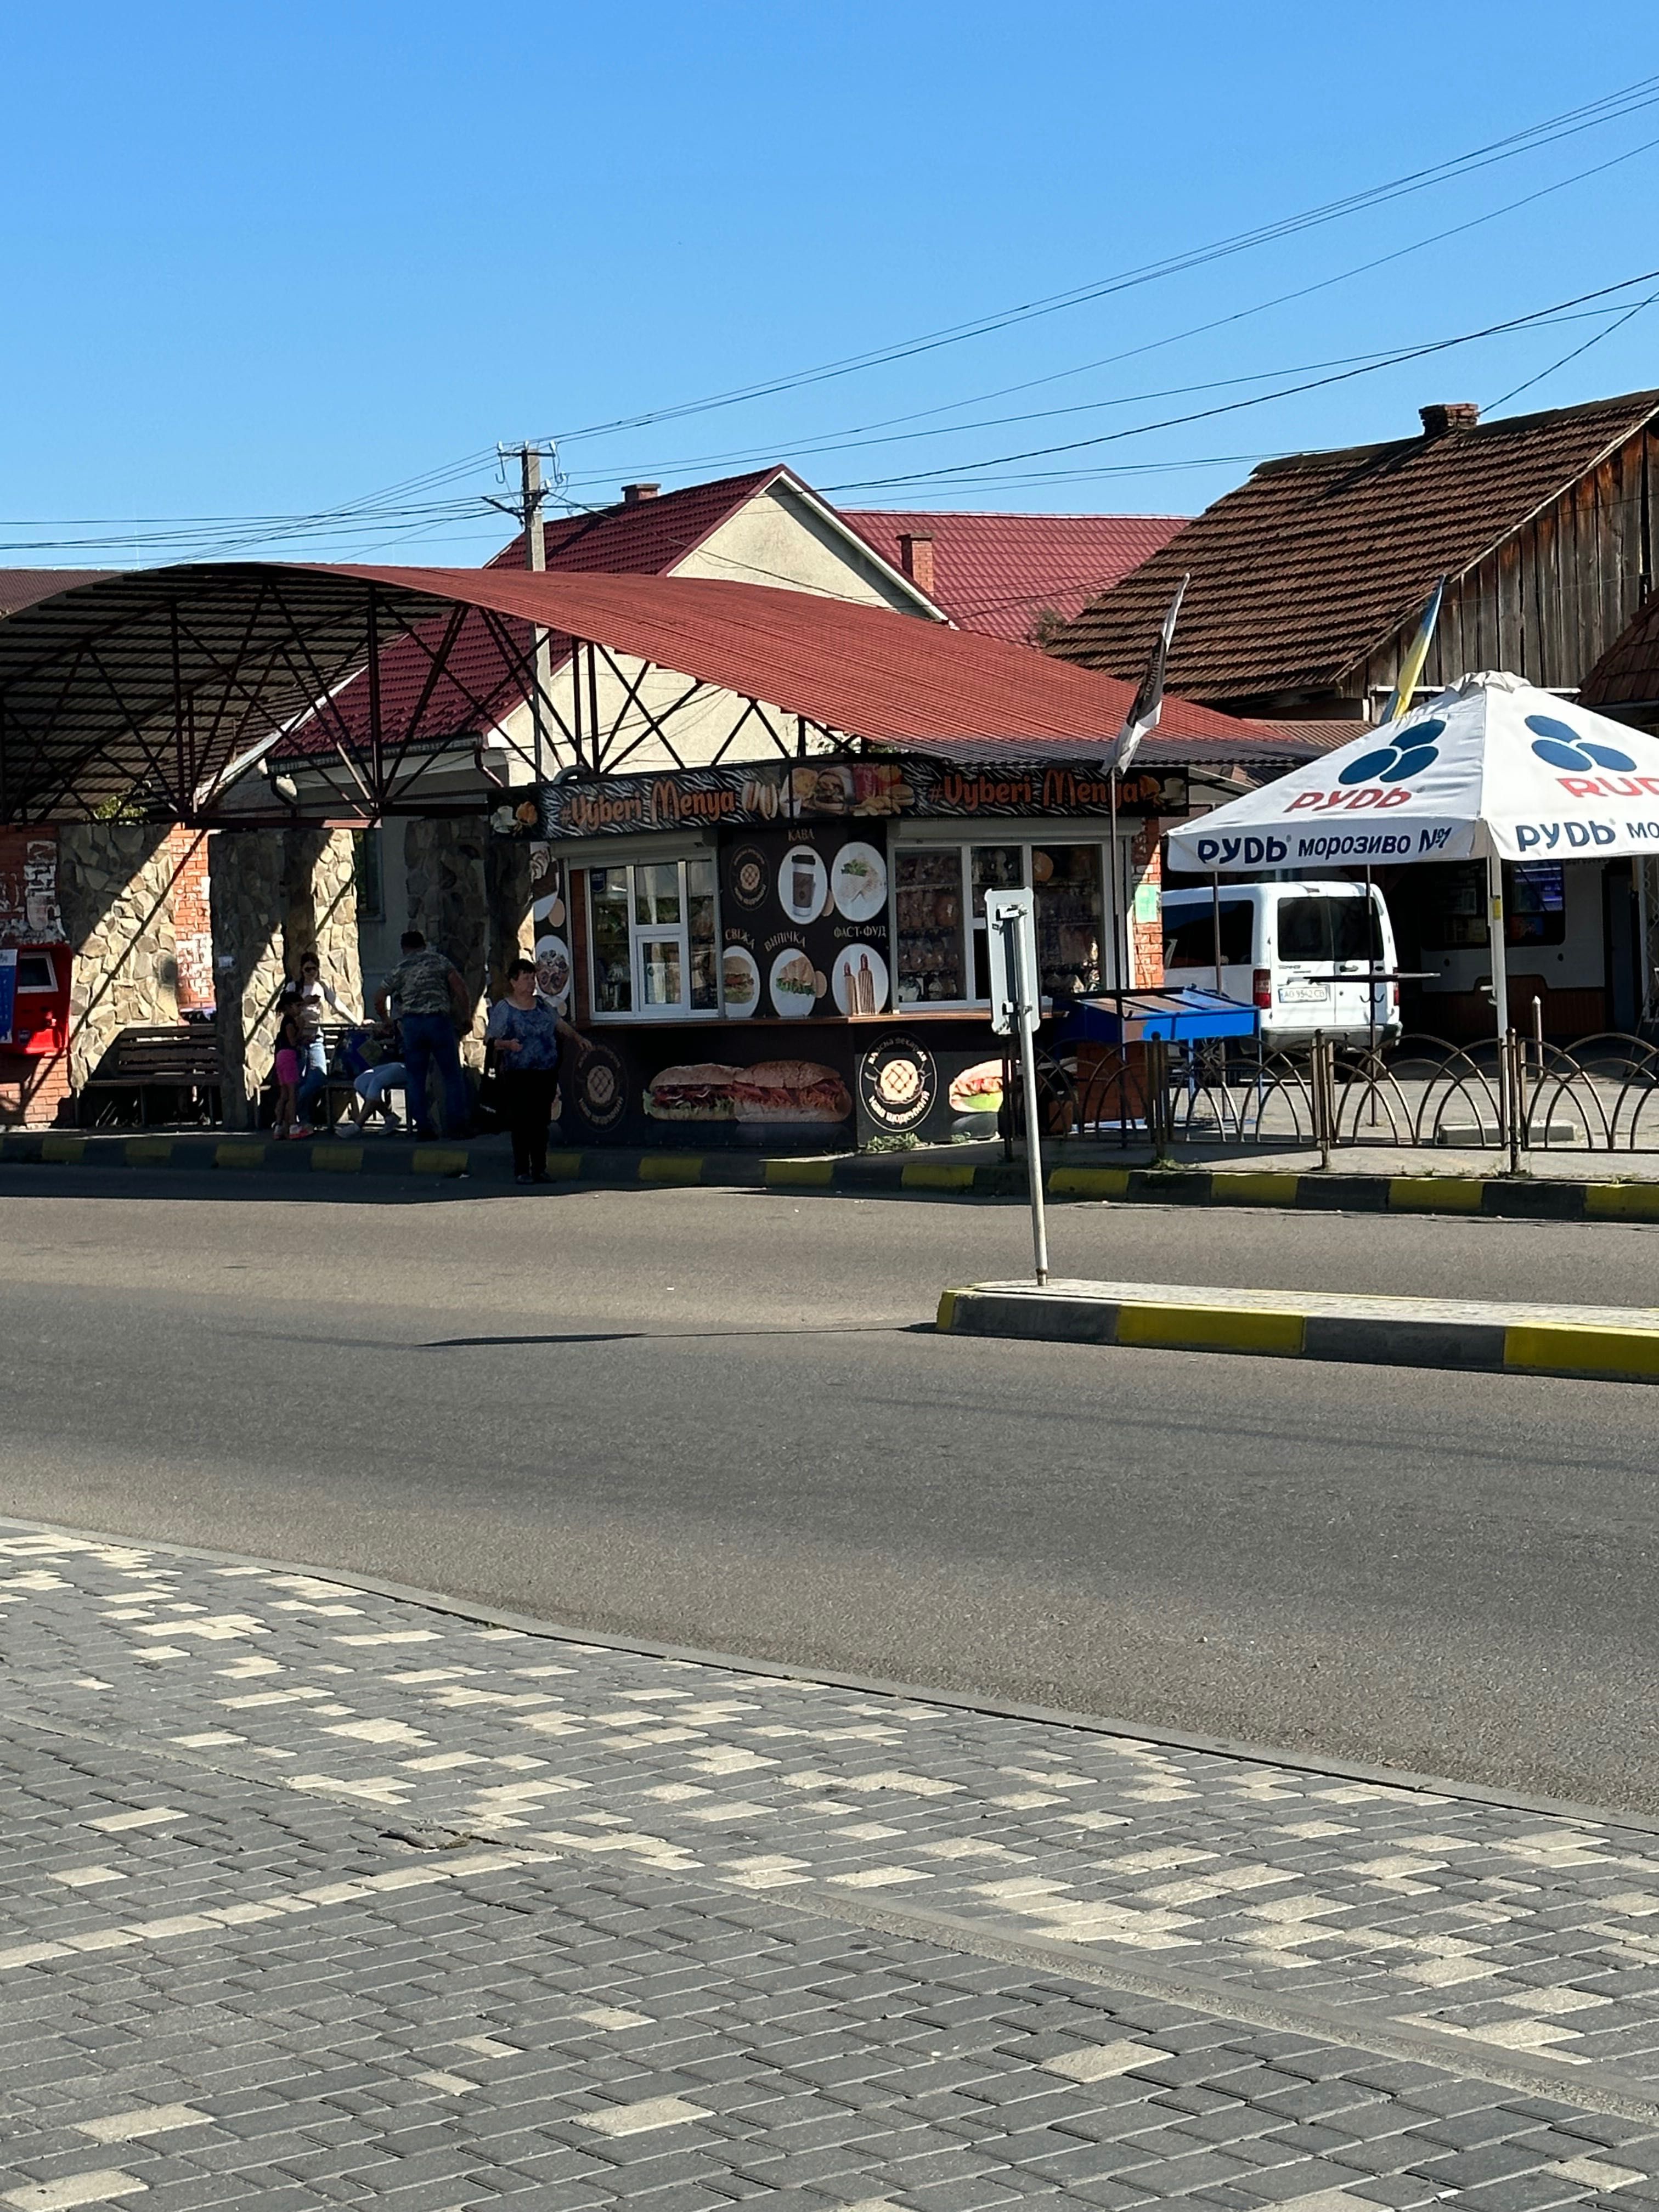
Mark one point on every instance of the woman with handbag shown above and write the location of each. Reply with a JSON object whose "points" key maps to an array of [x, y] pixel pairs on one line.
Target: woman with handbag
{"points": [[526, 1032]]}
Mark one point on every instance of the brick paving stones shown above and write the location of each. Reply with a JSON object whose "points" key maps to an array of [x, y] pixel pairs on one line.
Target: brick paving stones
{"points": [[316, 1895]]}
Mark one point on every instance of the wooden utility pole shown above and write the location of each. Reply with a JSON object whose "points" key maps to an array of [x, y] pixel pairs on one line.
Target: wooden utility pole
{"points": [[528, 510]]}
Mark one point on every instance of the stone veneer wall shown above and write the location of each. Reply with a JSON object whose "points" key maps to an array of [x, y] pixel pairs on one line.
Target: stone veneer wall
{"points": [[278, 894], [445, 867], [121, 887]]}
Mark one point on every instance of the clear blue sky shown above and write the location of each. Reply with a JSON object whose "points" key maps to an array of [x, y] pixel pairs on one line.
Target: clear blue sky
{"points": [[265, 259]]}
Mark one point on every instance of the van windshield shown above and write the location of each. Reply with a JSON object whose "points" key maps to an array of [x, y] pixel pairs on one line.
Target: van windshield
{"points": [[1329, 929], [1189, 934]]}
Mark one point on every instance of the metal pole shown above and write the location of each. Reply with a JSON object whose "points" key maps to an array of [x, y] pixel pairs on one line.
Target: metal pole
{"points": [[1215, 926], [1121, 978], [1026, 1018], [1500, 987], [1644, 957]]}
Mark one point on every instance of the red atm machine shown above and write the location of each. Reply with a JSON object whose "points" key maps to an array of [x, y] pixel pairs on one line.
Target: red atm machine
{"points": [[34, 1000]]}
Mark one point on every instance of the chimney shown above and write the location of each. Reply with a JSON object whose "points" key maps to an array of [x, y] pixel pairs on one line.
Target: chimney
{"points": [[633, 493], [916, 558], [1449, 415]]}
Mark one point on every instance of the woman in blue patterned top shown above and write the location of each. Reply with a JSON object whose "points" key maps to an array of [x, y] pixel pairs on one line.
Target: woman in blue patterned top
{"points": [[526, 1033]]}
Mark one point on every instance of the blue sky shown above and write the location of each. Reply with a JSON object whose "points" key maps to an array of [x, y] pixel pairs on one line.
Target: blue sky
{"points": [[266, 260]]}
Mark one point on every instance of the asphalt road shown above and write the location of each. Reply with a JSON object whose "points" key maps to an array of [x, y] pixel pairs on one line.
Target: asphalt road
{"points": [[718, 1419]]}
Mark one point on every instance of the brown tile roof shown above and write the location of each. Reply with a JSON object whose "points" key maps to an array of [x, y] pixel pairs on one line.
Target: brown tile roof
{"points": [[997, 573], [1318, 559], [1627, 674]]}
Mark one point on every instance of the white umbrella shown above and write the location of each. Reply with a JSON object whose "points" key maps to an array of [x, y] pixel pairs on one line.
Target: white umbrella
{"points": [[1493, 769]]}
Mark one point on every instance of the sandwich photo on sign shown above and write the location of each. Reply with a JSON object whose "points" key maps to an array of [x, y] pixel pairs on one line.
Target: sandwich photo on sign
{"points": [[740, 980], [790, 1090], [794, 982], [701, 1091]]}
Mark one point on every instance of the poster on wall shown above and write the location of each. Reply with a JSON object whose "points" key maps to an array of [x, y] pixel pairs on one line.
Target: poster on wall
{"points": [[29, 888], [803, 916]]}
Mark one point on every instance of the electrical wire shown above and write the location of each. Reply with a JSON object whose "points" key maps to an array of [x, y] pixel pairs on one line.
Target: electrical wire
{"points": [[1610, 108]]}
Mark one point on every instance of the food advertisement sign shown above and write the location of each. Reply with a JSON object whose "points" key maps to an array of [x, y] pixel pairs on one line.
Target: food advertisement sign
{"points": [[713, 1088], [928, 1094], [763, 793], [803, 921]]}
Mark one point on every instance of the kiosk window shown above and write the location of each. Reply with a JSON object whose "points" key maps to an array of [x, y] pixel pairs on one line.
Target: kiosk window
{"points": [[654, 934], [35, 972]]}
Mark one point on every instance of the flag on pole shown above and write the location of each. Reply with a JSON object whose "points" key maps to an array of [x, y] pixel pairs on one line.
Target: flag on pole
{"points": [[1411, 668], [1149, 699]]}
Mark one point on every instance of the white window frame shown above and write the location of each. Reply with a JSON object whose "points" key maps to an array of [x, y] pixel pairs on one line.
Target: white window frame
{"points": [[1019, 833], [642, 933]]}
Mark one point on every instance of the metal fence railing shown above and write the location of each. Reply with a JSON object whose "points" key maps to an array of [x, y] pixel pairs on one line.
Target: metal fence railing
{"points": [[1601, 1095]]}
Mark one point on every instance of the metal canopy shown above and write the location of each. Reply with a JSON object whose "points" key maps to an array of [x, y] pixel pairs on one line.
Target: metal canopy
{"points": [[140, 692]]}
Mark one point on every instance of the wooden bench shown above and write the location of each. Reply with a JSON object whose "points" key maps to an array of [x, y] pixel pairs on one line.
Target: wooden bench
{"points": [[180, 1059]]}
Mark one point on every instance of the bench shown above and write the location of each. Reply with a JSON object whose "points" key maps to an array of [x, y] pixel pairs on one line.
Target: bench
{"points": [[180, 1059]]}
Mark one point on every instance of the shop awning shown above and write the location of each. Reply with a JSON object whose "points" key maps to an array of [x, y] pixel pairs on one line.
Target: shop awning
{"points": [[142, 689]]}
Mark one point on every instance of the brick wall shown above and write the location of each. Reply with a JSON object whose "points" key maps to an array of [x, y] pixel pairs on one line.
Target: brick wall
{"points": [[1146, 890]]}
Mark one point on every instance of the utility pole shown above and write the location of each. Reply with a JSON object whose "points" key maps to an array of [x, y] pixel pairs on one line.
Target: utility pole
{"points": [[528, 510]]}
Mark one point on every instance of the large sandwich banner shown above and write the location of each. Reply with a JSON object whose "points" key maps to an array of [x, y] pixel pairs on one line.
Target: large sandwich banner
{"points": [[1492, 765]]}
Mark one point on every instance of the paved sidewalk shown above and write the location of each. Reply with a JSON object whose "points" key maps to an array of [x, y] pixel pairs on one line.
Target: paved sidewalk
{"points": [[314, 1894]]}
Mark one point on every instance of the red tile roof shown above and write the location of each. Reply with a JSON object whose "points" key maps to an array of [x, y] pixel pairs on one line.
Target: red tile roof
{"points": [[998, 573], [1319, 559], [480, 685], [867, 671], [25, 587]]}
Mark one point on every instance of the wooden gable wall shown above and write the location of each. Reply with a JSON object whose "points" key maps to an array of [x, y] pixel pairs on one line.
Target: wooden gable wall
{"points": [[1553, 596]]}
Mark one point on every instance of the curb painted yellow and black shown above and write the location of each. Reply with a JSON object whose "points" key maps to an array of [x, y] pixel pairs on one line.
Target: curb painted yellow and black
{"points": [[859, 1175], [1595, 1344]]}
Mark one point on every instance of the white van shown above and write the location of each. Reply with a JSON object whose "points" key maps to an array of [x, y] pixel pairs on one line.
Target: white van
{"points": [[1300, 953]]}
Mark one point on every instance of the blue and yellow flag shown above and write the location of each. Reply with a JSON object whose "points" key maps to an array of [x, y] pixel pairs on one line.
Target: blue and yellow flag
{"points": [[1411, 668]]}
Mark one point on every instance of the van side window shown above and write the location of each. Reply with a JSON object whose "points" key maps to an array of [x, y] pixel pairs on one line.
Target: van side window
{"points": [[1189, 934], [1304, 929]]}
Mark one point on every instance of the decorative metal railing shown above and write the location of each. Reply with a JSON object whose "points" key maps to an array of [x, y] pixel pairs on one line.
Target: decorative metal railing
{"points": [[1600, 1096]]}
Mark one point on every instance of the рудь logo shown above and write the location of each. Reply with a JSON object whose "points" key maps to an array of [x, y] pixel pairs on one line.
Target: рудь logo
{"points": [[1394, 763]]}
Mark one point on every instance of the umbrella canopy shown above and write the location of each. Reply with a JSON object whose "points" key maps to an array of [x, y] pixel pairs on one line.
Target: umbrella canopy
{"points": [[1493, 768]]}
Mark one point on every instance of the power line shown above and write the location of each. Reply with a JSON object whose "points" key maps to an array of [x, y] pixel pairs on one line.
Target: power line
{"points": [[1610, 108], [749, 456], [1260, 399]]}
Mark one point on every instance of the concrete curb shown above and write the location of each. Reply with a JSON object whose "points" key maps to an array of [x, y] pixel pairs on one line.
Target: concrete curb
{"points": [[1600, 1344], [861, 1175]]}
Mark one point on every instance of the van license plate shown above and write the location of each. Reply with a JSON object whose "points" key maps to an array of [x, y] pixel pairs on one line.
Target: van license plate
{"points": [[1299, 993]]}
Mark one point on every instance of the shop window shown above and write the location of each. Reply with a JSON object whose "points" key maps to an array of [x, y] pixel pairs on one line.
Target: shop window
{"points": [[928, 936], [991, 868], [940, 894], [652, 929], [1190, 931], [1069, 916], [1535, 906]]}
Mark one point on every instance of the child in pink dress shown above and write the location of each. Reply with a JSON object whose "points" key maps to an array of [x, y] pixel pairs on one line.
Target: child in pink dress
{"points": [[288, 1071]]}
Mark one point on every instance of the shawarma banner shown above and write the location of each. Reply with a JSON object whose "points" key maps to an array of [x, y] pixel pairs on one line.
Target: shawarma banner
{"points": [[757, 793]]}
